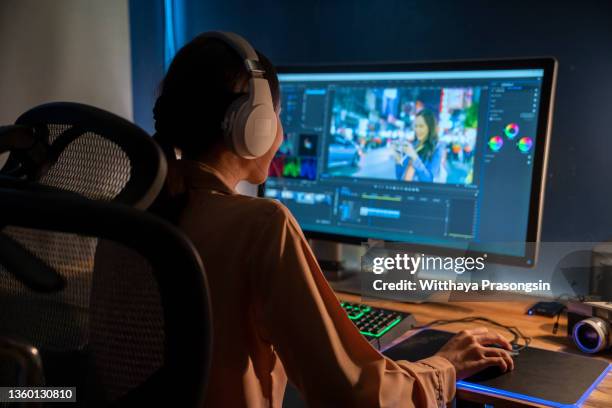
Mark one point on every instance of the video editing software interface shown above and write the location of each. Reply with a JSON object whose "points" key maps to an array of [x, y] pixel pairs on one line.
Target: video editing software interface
{"points": [[440, 158]]}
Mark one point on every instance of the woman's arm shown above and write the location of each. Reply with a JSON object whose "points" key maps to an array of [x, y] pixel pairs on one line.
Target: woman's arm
{"points": [[432, 169], [402, 164], [322, 351], [409, 173]]}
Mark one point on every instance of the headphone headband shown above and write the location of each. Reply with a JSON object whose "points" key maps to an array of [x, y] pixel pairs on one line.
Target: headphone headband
{"points": [[242, 48]]}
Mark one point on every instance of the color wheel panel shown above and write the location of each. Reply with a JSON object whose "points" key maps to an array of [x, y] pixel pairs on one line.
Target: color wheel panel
{"points": [[511, 130], [495, 143], [525, 144]]}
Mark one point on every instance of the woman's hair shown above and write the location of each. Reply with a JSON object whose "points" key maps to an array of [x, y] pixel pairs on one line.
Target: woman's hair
{"points": [[204, 78], [431, 141]]}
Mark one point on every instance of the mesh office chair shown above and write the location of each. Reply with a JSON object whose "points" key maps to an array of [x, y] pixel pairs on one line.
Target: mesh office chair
{"points": [[101, 313], [89, 152]]}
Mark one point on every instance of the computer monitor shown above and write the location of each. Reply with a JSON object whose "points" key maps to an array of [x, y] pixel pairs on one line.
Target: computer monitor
{"points": [[445, 156]]}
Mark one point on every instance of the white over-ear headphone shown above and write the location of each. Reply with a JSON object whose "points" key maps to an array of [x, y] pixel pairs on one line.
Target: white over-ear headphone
{"points": [[250, 121]]}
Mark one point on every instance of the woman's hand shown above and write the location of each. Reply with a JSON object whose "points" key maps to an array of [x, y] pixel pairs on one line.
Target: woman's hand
{"points": [[397, 156], [469, 353], [409, 151]]}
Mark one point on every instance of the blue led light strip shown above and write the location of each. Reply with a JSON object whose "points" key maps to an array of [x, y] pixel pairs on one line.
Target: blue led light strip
{"points": [[169, 33], [373, 76], [463, 385]]}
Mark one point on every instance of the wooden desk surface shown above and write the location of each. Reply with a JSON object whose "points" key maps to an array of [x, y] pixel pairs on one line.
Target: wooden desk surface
{"points": [[508, 313]]}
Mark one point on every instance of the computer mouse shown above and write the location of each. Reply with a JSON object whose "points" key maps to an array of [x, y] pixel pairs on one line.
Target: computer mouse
{"points": [[514, 352], [493, 371]]}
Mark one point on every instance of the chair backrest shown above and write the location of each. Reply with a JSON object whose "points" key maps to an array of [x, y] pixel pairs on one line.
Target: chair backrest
{"points": [[149, 319], [89, 152]]}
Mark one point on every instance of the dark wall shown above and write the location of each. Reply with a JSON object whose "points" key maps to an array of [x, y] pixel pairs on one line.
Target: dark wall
{"points": [[578, 203]]}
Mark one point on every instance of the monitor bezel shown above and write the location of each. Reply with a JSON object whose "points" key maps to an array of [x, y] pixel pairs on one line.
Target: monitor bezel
{"points": [[540, 163]]}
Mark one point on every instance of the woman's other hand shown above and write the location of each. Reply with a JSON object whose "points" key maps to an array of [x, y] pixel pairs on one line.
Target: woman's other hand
{"points": [[470, 351]]}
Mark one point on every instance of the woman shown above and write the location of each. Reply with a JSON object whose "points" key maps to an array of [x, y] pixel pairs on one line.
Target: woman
{"points": [[274, 315], [423, 160]]}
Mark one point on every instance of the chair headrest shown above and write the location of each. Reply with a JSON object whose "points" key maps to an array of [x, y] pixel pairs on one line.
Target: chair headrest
{"points": [[86, 150]]}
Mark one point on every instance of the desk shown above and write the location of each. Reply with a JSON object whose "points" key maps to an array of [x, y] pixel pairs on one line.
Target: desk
{"points": [[508, 313]]}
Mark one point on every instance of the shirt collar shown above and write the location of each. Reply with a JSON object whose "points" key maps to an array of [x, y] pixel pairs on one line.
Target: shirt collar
{"points": [[198, 175]]}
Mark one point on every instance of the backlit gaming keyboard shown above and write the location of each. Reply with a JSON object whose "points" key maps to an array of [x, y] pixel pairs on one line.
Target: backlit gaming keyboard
{"points": [[379, 326]]}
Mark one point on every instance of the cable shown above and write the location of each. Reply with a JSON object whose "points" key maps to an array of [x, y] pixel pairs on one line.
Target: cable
{"points": [[556, 325], [570, 298], [515, 331]]}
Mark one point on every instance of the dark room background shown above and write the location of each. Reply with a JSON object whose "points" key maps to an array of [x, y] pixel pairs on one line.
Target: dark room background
{"points": [[578, 203]]}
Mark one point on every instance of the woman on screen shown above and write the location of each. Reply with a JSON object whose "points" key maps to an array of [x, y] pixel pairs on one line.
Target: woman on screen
{"points": [[422, 160], [274, 315]]}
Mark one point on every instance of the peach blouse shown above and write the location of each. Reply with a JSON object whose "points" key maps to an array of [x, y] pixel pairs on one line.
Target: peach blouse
{"points": [[275, 316]]}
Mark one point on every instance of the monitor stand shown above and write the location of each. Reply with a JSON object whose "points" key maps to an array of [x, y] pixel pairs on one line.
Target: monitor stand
{"points": [[346, 279], [343, 278], [329, 256]]}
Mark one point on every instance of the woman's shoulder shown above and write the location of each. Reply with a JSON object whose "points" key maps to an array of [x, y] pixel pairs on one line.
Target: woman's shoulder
{"points": [[261, 209], [236, 214], [266, 216]]}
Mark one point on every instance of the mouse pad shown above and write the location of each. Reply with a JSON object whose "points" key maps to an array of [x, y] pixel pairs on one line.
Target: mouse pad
{"points": [[546, 377]]}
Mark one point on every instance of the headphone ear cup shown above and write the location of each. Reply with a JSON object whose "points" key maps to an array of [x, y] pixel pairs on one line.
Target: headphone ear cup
{"points": [[249, 130], [232, 127], [260, 130]]}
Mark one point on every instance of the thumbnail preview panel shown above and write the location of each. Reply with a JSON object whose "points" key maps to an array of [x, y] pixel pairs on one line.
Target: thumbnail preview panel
{"points": [[421, 134]]}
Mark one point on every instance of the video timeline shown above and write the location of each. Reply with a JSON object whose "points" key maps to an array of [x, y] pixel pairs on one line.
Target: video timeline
{"points": [[299, 197]]}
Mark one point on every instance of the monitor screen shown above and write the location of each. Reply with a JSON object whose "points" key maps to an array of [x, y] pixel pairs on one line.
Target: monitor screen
{"points": [[448, 155]]}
